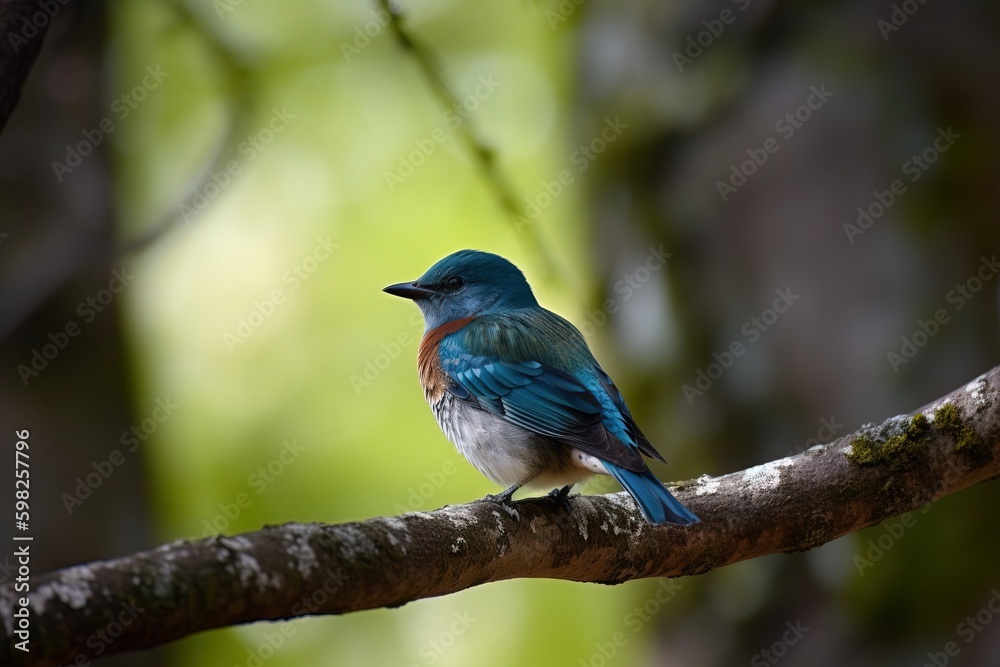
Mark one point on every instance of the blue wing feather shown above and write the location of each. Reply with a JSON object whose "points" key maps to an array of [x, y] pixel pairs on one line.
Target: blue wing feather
{"points": [[628, 423], [540, 397], [510, 366]]}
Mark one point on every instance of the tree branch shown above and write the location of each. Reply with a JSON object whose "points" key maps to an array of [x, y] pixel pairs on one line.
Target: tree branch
{"points": [[784, 506]]}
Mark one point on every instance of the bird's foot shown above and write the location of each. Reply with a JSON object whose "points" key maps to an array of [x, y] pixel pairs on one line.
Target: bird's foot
{"points": [[560, 494], [504, 499]]}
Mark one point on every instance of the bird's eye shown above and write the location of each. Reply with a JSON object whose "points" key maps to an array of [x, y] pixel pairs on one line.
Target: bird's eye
{"points": [[454, 282]]}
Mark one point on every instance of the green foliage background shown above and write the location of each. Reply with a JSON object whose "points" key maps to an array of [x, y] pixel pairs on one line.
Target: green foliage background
{"points": [[370, 441], [332, 366]]}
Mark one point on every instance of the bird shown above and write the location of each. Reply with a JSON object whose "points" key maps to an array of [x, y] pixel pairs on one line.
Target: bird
{"points": [[517, 390]]}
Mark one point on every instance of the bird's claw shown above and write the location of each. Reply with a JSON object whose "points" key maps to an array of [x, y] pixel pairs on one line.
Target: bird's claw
{"points": [[504, 499], [560, 494]]}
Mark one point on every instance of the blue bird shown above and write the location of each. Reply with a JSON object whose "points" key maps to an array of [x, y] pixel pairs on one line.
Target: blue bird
{"points": [[516, 389]]}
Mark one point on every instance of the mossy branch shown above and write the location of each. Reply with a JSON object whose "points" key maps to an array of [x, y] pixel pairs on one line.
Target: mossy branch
{"points": [[280, 572]]}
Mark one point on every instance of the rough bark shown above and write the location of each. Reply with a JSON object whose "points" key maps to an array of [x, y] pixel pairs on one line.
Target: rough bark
{"points": [[788, 505]]}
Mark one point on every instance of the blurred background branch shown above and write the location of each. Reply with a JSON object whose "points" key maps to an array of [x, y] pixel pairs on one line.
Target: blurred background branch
{"points": [[29, 282], [483, 155]]}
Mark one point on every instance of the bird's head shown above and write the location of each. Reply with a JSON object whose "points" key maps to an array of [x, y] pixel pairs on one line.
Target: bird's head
{"points": [[464, 284]]}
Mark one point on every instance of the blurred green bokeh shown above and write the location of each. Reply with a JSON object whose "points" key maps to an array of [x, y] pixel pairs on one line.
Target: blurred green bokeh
{"points": [[329, 362], [306, 162]]}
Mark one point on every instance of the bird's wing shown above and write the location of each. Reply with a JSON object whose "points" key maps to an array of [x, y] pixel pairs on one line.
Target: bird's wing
{"points": [[627, 422], [521, 383]]}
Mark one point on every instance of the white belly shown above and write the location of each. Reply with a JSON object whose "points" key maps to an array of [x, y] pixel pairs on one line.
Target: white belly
{"points": [[508, 454]]}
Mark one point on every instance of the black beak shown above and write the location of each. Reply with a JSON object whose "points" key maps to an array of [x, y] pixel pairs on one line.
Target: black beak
{"points": [[408, 290]]}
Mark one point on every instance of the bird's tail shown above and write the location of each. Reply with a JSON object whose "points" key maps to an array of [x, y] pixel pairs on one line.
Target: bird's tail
{"points": [[656, 503]]}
